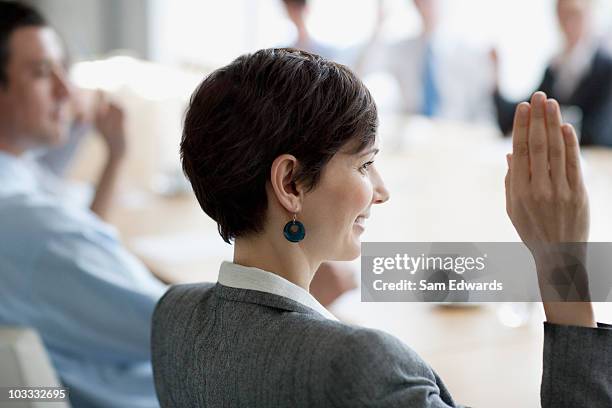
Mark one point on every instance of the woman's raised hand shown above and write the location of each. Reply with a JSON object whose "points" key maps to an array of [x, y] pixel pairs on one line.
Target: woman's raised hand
{"points": [[548, 204], [545, 194]]}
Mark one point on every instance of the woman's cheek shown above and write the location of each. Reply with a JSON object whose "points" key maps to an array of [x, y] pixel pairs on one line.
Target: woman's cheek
{"points": [[365, 192]]}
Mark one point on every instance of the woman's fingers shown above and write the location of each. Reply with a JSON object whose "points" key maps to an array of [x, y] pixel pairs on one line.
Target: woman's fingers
{"points": [[556, 145], [572, 157], [538, 142], [520, 145]]}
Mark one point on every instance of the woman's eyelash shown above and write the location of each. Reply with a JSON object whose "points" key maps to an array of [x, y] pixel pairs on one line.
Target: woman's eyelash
{"points": [[365, 166]]}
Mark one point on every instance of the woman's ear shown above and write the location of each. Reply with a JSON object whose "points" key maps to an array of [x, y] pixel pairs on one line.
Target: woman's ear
{"points": [[288, 194]]}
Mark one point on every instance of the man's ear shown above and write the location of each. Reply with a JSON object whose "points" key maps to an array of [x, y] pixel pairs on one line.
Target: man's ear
{"points": [[282, 174]]}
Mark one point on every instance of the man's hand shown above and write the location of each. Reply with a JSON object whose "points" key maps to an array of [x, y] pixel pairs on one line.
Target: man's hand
{"points": [[546, 198], [110, 123]]}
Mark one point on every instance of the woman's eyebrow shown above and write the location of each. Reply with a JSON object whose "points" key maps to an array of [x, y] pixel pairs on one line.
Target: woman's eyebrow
{"points": [[368, 152]]}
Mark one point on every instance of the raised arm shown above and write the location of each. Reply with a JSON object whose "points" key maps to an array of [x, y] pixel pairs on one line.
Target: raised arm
{"points": [[109, 121], [547, 202]]}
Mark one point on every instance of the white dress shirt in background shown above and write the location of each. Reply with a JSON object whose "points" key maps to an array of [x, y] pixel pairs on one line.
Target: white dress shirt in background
{"points": [[573, 66]]}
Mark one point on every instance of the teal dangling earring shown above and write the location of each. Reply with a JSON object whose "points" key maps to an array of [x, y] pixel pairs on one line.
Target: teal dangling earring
{"points": [[294, 230]]}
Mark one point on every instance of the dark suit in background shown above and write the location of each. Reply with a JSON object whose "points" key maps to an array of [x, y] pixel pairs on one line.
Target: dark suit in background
{"points": [[593, 96]]}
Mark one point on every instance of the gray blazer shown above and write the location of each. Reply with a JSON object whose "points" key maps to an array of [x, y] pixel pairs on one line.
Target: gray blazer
{"points": [[216, 346]]}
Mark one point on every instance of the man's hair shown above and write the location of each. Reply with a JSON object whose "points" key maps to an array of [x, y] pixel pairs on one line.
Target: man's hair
{"points": [[14, 15], [273, 102]]}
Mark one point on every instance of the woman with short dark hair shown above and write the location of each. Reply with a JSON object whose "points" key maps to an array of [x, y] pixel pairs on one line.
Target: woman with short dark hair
{"points": [[279, 147]]}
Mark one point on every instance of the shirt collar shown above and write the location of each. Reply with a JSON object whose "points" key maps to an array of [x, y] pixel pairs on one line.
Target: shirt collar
{"points": [[243, 277]]}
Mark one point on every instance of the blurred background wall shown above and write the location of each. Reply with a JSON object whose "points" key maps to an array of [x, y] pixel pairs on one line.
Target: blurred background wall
{"points": [[96, 27]]}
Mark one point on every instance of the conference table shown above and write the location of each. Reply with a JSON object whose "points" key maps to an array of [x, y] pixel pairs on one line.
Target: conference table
{"points": [[446, 182]]}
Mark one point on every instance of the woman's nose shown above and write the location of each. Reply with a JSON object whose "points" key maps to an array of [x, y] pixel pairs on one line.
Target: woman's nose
{"points": [[381, 194]]}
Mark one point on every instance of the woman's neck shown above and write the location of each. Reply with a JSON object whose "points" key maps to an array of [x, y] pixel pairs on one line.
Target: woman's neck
{"points": [[273, 255]]}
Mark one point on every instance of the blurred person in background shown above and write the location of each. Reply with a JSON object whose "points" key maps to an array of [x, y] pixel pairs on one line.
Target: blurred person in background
{"points": [[297, 11], [64, 271], [436, 76], [580, 75]]}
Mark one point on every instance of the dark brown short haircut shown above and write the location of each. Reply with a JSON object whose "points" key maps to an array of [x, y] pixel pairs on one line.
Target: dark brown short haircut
{"points": [[262, 105]]}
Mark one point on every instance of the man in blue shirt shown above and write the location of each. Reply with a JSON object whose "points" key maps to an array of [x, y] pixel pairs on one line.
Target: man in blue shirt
{"points": [[63, 271]]}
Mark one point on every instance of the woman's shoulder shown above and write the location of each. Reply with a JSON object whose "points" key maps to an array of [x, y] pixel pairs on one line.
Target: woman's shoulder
{"points": [[180, 299], [183, 292], [346, 341]]}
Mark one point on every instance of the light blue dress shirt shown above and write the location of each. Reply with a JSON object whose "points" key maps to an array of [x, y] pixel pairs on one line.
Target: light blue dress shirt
{"points": [[65, 273]]}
